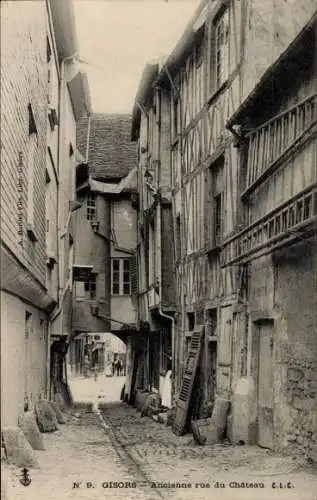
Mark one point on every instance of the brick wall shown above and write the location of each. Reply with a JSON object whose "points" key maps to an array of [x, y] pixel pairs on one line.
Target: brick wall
{"points": [[23, 82]]}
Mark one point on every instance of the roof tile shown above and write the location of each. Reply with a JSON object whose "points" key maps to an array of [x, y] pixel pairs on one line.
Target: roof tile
{"points": [[111, 154]]}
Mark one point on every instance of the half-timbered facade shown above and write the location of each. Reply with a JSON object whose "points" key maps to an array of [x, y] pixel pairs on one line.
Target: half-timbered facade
{"points": [[201, 75], [275, 357], [237, 183], [156, 297]]}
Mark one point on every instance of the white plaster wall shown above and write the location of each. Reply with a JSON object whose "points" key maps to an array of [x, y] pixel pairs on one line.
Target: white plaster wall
{"points": [[13, 365], [122, 309], [124, 220]]}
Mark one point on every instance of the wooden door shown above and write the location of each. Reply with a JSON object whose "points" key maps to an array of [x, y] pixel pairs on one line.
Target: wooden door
{"points": [[182, 405], [265, 387]]}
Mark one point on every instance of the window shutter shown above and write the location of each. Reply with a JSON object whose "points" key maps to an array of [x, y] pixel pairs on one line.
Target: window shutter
{"points": [[192, 360], [134, 275]]}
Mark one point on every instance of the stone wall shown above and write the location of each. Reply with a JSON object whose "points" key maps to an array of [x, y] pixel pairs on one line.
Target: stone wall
{"points": [[282, 290], [296, 353]]}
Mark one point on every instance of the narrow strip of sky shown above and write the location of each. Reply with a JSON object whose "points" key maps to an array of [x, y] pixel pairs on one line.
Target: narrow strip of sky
{"points": [[117, 39]]}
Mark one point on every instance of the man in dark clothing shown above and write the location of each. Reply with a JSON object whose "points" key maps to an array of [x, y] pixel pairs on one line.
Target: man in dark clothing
{"points": [[94, 360], [119, 367]]}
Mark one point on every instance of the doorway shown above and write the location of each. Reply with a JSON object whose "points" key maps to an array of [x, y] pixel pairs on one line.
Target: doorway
{"points": [[27, 359], [265, 384]]}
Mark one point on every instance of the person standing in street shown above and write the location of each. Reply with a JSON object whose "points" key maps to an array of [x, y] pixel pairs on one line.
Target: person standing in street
{"points": [[86, 365], [119, 367], [94, 360]]}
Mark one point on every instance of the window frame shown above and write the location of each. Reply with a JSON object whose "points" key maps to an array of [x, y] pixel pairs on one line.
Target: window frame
{"points": [[218, 215], [216, 193], [220, 49], [88, 285], [121, 282], [31, 158], [175, 105], [91, 208]]}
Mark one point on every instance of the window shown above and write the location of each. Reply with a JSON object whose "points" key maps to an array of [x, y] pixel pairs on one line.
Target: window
{"points": [[91, 207], [216, 201], [70, 258], [178, 237], [90, 287], [175, 111], [48, 208], [121, 276], [211, 322], [85, 287], [49, 60], [31, 158], [116, 277], [221, 60], [48, 50], [79, 290], [191, 321], [218, 215]]}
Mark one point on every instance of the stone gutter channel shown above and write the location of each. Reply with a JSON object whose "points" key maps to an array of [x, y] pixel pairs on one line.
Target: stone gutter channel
{"points": [[142, 478]]}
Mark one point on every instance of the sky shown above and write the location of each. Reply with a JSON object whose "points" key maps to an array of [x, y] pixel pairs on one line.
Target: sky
{"points": [[118, 37]]}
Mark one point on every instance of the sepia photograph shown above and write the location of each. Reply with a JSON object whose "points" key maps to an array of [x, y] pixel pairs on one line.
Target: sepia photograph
{"points": [[158, 265]]}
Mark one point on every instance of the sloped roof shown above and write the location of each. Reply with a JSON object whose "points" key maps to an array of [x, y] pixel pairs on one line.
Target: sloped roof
{"points": [[128, 184], [80, 95], [63, 17], [111, 154], [145, 87]]}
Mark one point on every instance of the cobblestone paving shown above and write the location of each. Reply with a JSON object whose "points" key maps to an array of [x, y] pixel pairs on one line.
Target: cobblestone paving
{"points": [[80, 453], [126, 448], [166, 459]]}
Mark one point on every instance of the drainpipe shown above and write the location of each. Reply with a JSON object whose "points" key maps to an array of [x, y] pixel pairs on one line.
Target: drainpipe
{"points": [[159, 247], [88, 136], [164, 315], [60, 297]]}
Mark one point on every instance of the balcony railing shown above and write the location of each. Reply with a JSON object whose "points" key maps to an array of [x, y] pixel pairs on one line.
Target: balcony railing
{"points": [[273, 229], [270, 142]]}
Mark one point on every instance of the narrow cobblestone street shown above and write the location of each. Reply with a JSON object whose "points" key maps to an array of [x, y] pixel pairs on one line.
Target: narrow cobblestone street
{"points": [[136, 452], [158, 250]]}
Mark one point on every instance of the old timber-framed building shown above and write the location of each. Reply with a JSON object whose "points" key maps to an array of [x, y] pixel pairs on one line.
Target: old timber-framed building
{"points": [[104, 250], [187, 122], [275, 357], [43, 95], [155, 251]]}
